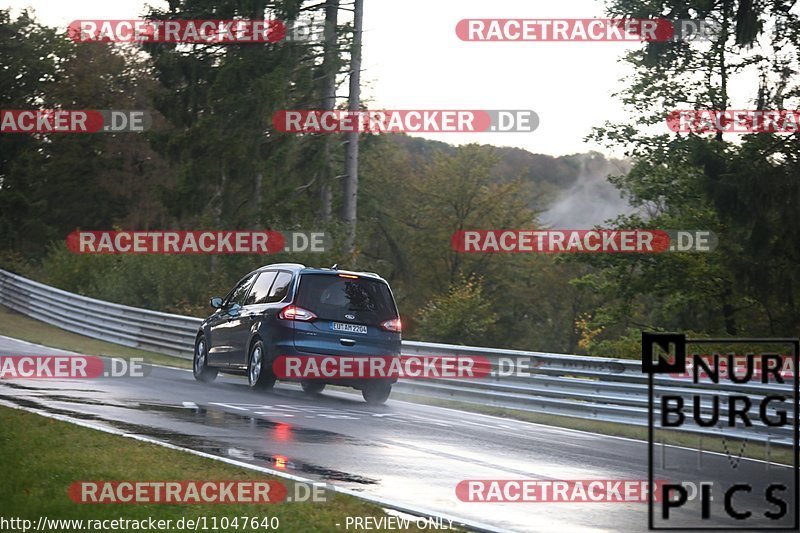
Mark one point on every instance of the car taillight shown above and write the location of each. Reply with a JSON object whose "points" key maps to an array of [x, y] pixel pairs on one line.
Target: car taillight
{"points": [[293, 312], [392, 325]]}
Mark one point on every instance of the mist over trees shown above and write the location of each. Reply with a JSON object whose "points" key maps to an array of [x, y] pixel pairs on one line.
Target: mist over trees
{"points": [[742, 187], [212, 160]]}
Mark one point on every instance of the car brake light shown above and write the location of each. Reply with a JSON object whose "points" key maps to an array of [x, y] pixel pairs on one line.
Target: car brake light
{"points": [[392, 325], [293, 312], [348, 276]]}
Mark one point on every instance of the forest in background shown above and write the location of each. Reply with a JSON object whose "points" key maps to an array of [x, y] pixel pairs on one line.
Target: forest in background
{"points": [[213, 161]]}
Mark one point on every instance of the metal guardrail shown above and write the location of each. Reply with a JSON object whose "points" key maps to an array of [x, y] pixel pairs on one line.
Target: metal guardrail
{"points": [[590, 388], [120, 324]]}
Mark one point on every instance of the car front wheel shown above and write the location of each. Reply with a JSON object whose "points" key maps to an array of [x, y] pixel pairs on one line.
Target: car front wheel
{"points": [[200, 367]]}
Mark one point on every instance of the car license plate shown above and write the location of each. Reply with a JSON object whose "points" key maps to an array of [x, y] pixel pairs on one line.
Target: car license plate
{"points": [[349, 328]]}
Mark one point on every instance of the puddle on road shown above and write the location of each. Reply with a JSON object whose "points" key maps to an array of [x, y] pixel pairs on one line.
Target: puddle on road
{"points": [[283, 463], [276, 461], [284, 431]]}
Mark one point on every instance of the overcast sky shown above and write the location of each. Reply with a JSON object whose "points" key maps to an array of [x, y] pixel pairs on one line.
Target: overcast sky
{"points": [[413, 60]]}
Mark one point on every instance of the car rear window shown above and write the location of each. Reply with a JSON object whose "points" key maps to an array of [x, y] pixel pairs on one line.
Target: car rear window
{"points": [[280, 287], [331, 297]]}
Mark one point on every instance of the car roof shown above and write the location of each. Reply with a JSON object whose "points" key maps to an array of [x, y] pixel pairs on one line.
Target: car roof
{"points": [[283, 266], [295, 267]]}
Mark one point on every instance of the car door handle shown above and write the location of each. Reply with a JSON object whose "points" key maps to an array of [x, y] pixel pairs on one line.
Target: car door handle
{"points": [[347, 342]]}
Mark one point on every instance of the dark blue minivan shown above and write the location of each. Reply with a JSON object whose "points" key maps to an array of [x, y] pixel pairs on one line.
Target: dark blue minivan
{"points": [[288, 309]]}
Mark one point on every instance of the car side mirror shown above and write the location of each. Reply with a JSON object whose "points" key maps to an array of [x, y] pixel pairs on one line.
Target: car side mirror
{"points": [[216, 302]]}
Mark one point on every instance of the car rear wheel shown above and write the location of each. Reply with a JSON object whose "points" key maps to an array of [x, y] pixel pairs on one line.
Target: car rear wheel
{"points": [[200, 367], [259, 376], [376, 393], [312, 387]]}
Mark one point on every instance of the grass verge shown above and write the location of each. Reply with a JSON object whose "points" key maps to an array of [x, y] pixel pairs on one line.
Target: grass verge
{"points": [[43, 457]]}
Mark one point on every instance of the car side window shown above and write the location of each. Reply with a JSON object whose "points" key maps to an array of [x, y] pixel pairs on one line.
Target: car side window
{"points": [[239, 293], [280, 288], [260, 291]]}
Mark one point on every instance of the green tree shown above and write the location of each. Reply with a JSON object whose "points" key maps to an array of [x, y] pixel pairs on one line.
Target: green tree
{"points": [[462, 316], [52, 183], [741, 189], [29, 59], [233, 169]]}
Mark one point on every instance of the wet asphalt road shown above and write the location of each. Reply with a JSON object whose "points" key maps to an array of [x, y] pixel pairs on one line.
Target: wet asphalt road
{"points": [[401, 451]]}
